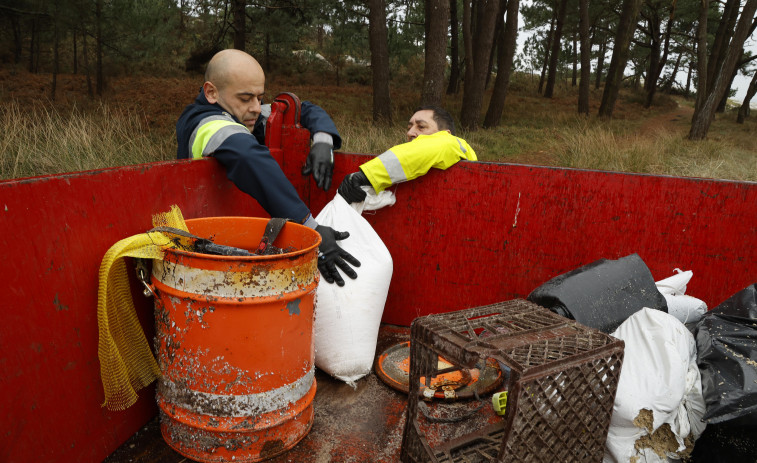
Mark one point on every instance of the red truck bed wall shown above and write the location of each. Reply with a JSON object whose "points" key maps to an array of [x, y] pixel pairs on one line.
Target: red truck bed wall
{"points": [[54, 232], [480, 233], [475, 234]]}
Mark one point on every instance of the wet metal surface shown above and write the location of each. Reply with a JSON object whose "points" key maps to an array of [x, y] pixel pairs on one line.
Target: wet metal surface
{"points": [[349, 426]]}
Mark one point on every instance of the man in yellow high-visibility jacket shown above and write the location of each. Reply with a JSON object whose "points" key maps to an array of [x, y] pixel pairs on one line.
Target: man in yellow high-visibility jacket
{"points": [[431, 143]]}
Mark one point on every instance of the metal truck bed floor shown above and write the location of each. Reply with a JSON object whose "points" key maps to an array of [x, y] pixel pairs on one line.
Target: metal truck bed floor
{"points": [[365, 426], [350, 426]]}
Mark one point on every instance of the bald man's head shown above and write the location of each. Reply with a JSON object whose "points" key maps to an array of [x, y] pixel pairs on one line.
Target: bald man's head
{"points": [[235, 81], [229, 64]]}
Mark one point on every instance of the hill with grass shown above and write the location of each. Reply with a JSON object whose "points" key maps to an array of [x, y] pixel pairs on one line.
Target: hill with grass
{"points": [[134, 123]]}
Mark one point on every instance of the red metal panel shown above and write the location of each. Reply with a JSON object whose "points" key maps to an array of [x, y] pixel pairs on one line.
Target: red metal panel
{"points": [[284, 134], [480, 233], [475, 234], [54, 232]]}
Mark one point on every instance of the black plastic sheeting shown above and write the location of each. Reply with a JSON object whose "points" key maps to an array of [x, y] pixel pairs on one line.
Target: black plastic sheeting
{"points": [[727, 358], [603, 294], [726, 443]]}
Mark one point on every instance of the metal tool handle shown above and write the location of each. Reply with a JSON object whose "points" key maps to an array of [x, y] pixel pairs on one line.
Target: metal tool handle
{"points": [[143, 277]]}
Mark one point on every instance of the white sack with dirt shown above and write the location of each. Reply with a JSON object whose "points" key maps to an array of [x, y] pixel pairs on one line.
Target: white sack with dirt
{"points": [[659, 399], [685, 308], [347, 318]]}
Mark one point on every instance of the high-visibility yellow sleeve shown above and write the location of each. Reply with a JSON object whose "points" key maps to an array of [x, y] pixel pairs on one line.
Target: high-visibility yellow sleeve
{"points": [[211, 132], [413, 159]]}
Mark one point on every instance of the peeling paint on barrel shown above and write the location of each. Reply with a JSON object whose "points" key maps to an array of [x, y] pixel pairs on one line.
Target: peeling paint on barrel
{"points": [[293, 307], [234, 344]]}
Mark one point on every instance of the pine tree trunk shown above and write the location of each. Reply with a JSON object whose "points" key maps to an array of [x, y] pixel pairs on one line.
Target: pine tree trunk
{"points": [[650, 83], [99, 79], [506, 46], [181, 19], [76, 57], [669, 82], [54, 85], [702, 64], [31, 45], [481, 37], [688, 80], [722, 37], [574, 78], [705, 114], [18, 41], [500, 24], [499, 27], [238, 9], [614, 78], [437, 18], [454, 50], [600, 63], [86, 64], [583, 28], [554, 55], [37, 45], [547, 48], [744, 109], [724, 99], [378, 38], [267, 55]]}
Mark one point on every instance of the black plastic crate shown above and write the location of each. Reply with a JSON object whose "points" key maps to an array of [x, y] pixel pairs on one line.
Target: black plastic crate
{"points": [[561, 385]]}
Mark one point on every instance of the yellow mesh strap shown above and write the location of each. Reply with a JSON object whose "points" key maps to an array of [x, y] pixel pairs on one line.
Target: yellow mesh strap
{"points": [[173, 218], [126, 361]]}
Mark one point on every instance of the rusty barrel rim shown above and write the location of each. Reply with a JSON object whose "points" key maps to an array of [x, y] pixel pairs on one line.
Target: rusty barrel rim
{"points": [[208, 223]]}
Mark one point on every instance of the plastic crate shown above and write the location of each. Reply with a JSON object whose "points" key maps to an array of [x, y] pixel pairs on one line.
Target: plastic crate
{"points": [[561, 386]]}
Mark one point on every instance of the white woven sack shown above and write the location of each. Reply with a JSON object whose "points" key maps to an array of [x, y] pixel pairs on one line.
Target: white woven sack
{"points": [[659, 374], [685, 308], [347, 318]]}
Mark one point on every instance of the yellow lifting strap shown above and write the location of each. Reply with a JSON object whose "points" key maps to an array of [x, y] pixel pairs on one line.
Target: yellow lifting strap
{"points": [[126, 362]]}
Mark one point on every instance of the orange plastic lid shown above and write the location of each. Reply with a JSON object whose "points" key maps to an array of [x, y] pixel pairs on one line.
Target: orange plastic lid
{"points": [[393, 367]]}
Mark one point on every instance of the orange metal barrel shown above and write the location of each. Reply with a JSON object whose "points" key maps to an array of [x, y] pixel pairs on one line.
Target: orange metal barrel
{"points": [[235, 343]]}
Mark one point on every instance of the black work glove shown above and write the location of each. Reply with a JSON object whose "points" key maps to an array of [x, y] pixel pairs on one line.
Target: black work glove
{"points": [[350, 187], [320, 163], [331, 256]]}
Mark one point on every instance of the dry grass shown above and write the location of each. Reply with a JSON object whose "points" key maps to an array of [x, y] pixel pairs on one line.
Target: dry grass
{"points": [[46, 141], [134, 123], [664, 151]]}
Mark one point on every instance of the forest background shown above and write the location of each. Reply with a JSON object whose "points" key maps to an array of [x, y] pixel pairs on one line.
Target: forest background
{"points": [[638, 85]]}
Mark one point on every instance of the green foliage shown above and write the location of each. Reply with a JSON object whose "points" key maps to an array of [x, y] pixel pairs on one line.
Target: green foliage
{"points": [[406, 31], [138, 35], [357, 74], [275, 29], [409, 73]]}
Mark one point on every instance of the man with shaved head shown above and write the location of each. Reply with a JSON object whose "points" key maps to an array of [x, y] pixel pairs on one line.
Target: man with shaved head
{"points": [[227, 121]]}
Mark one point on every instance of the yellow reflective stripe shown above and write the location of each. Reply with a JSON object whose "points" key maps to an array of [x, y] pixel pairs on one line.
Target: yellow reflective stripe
{"points": [[217, 132], [376, 172], [468, 152]]}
